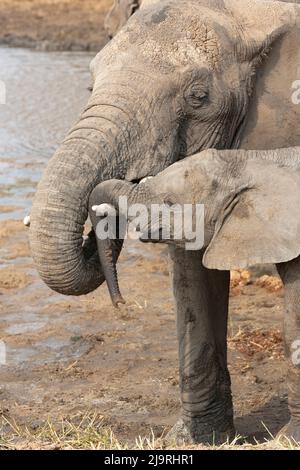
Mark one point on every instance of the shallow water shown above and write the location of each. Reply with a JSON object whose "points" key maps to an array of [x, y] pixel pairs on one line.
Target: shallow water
{"points": [[45, 93]]}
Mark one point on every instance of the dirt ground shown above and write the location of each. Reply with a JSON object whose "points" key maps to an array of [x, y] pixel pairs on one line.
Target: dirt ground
{"points": [[54, 24], [67, 358], [70, 356]]}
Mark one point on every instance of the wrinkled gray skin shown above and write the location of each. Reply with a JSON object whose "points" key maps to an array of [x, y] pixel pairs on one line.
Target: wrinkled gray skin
{"points": [[246, 222], [179, 78], [122, 10], [119, 14]]}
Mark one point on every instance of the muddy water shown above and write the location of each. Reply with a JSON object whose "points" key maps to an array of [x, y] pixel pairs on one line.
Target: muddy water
{"points": [[45, 93]]}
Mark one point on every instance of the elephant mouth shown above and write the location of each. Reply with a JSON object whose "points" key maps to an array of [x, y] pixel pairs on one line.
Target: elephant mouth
{"points": [[238, 134], [159, 240], [89, 242]]}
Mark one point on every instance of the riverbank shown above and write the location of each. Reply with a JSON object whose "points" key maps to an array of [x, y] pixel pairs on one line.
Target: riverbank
{"points": [[72, 25]]}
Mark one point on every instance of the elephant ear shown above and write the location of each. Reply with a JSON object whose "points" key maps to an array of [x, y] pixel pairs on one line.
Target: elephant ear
{"points": [[263, 223], [273, 33]]}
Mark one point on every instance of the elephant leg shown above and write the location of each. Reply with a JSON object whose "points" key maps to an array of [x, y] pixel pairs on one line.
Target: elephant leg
{"points": [[290, 275], [202, 311]]}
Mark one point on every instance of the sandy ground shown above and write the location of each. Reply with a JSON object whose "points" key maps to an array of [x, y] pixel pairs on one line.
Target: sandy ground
{"points": [[54, 24], [70, 356]]}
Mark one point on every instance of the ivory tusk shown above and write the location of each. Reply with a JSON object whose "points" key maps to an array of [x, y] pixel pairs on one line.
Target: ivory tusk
{"points": [[104, 210], [26, 221], [144, 180]]}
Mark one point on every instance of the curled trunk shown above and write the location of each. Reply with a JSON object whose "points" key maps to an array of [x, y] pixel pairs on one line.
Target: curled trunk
{"points": [[60, 207], [107, 194]]}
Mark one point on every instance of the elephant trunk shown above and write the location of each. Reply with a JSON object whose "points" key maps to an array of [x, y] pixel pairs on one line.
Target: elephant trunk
{"points": [[88, 155], [104, 200]]}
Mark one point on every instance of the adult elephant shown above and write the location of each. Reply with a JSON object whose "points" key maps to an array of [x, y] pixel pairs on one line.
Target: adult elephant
{"points": [[179, 78], [119, 14], [122, 10]]}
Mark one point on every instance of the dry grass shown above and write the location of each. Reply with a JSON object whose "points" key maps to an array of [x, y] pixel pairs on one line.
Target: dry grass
{"points": [[91, 434], [30, 4], [54, 24], [250, 342]]}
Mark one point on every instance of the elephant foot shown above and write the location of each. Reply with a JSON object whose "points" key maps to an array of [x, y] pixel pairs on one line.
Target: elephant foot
{"points": [[198, 432], [290, 431]]}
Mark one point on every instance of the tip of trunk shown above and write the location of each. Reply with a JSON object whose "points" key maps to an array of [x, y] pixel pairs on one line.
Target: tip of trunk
{"points": [[118, 300]]}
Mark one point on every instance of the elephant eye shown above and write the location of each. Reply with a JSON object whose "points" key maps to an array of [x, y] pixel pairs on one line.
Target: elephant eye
{"points": [[197, 95], [134, 7], [170, 199]]}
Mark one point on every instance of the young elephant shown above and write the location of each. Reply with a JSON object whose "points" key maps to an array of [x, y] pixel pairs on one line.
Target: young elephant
{"points": [[251, 201]]}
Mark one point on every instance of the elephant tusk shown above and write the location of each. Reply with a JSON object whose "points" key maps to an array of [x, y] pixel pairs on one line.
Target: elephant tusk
{"points": [[85, 239], [144, 180], [133, 233], [26, 221], [104, 210]]}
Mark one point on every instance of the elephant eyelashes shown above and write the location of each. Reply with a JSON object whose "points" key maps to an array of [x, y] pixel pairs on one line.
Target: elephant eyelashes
{"points": [[170, 199], [197, 90], [197, 96], [134, 7]]}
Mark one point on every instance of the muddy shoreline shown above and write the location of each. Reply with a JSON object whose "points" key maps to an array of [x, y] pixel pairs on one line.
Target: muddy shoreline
{"points": [[52, 25]]}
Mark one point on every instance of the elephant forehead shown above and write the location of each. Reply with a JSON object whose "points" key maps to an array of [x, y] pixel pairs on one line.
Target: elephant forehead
{"points": [[184, 177], [181, 41], [171, 180], [169, 35]]}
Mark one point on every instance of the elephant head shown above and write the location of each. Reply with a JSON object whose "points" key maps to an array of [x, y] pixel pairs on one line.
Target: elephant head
{"points": [[119, 14], [251, 201], [177, 79]]}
